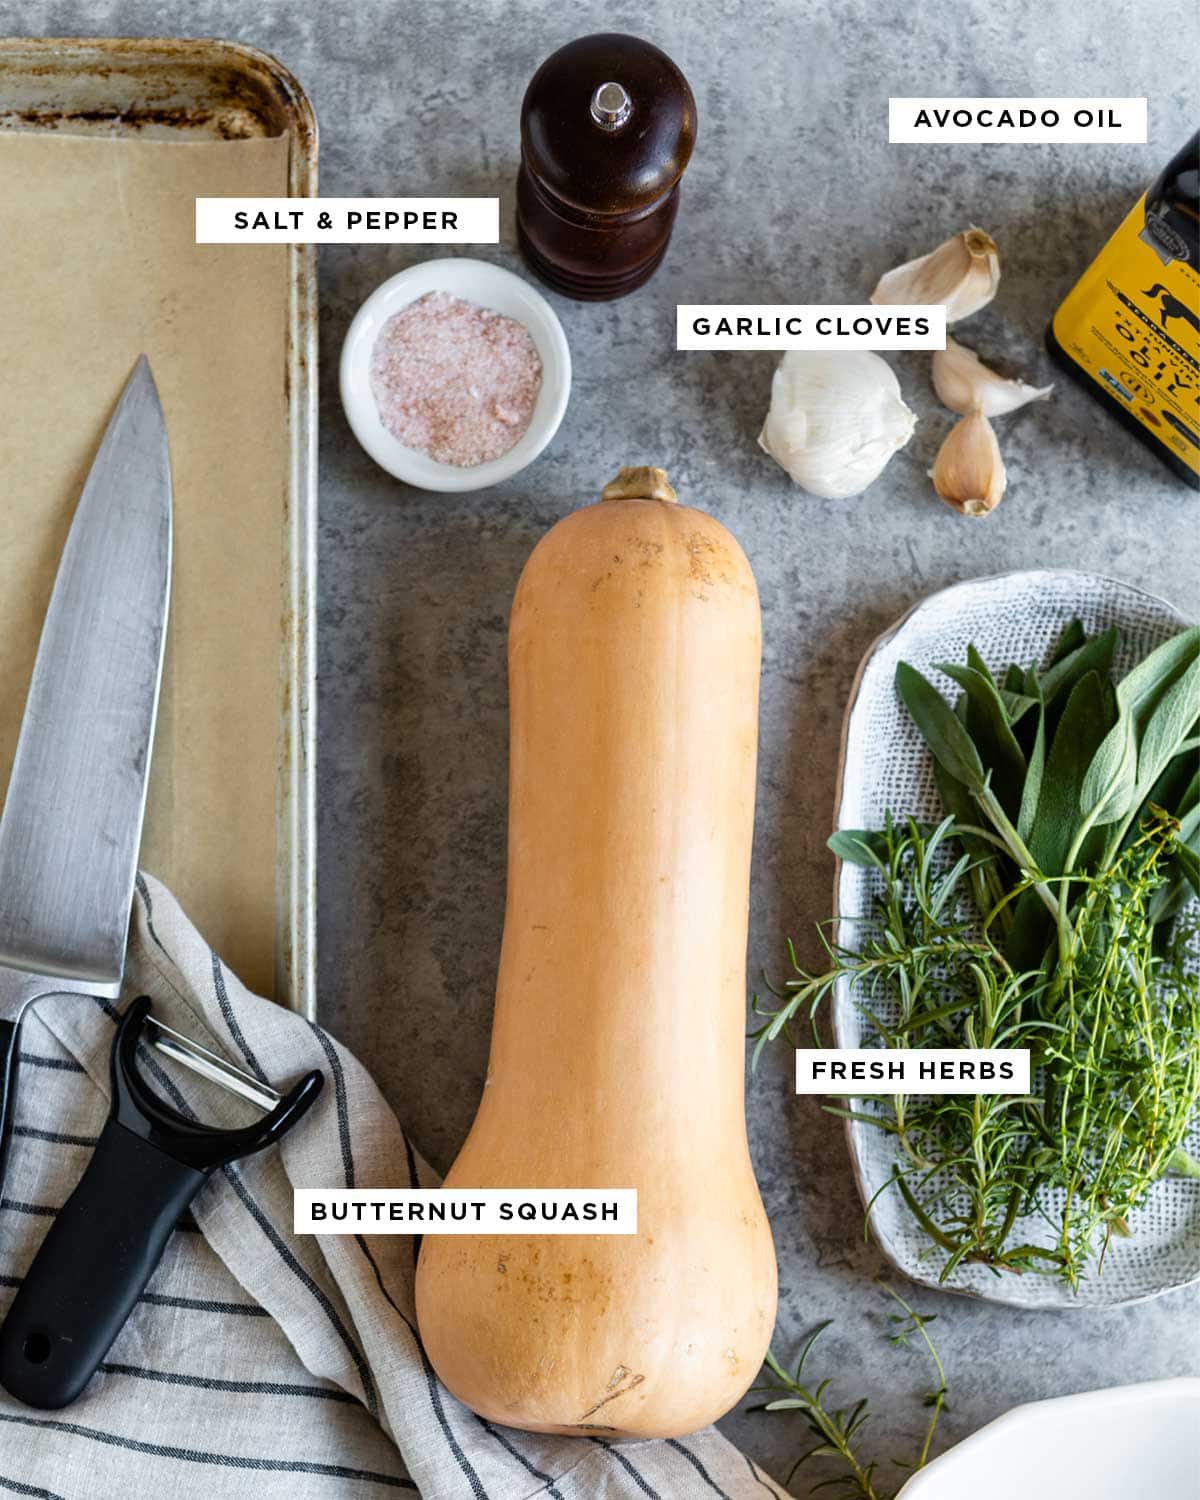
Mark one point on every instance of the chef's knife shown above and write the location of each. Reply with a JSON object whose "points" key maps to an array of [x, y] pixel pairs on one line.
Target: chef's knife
{"points": [[72, 819]]}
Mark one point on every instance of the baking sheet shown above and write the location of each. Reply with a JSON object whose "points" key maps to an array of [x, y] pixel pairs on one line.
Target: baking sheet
{"points": [[100, 265]]}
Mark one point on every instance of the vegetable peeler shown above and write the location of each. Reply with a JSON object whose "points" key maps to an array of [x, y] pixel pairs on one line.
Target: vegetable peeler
{"points": [[149, 1163]]}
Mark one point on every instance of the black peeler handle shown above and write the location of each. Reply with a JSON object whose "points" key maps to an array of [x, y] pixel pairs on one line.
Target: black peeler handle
{"points": [[92, 1267], [109, 1236]]}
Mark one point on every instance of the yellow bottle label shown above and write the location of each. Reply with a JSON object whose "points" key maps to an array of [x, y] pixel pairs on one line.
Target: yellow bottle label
{"points": [[1133, 325]]}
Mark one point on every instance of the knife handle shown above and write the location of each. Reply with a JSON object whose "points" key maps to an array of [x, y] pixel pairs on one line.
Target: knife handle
{"points": [[10, 1053], [92, 1267]]}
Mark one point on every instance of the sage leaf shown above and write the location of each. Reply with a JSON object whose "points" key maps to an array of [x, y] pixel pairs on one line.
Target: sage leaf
{"points": [[1163, 664], [1108, 787], [1032, 790], [1178, 788], [1050, 808], [1167, 726], [1187, 807], [1177, 791], [1085, 722], [961, 806], [988, 724], [1095, 655], [859, 846], [986, 884], [1070, 640], [977, 664], [1158, 702], [947, 739], [1017, 705], [1030, 934], [1189, 864]]}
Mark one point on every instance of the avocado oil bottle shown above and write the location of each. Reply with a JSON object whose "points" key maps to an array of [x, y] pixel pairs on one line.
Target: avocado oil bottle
{"points": [[1129, 331]]}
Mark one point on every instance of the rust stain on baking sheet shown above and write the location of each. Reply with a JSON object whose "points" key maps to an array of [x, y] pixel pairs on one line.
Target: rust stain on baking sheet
{"points": [[178, 119], [219, 90]]}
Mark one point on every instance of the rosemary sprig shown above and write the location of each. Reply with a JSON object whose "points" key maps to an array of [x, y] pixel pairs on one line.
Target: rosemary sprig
{"points": [[835, 1431], [1113, 1031], [838, 1431]]}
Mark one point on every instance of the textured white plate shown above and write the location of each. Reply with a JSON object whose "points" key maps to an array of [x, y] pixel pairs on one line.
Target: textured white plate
{"points": [[1127, 1443], [1016, 617]]}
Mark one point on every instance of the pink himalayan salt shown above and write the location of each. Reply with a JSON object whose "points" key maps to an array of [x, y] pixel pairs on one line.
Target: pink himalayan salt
{"points": [[455, 380]]}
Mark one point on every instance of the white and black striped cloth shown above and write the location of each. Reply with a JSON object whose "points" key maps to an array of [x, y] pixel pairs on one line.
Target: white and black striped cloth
{"points": [[258, 1363]]}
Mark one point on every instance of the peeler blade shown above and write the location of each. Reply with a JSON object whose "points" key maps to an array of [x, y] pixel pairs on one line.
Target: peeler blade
{"points": [[189, 1054]]}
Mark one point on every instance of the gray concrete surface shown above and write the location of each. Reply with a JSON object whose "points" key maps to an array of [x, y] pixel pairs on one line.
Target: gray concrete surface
{"points": [[793, 195]]}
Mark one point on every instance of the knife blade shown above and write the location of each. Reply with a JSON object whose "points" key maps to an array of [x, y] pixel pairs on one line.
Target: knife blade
{"points": [[72, 819]]}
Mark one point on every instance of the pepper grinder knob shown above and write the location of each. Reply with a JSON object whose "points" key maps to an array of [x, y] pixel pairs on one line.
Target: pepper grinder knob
{"points": [[611, 106]]}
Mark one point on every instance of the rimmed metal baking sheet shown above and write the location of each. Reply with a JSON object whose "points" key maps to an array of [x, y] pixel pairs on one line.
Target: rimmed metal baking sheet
{"points": [[214, 90]]}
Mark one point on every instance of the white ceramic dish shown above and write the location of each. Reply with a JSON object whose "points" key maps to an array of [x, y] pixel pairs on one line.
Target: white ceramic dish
{"points": [[885, 764], [1126, 1443], [489, 286]]}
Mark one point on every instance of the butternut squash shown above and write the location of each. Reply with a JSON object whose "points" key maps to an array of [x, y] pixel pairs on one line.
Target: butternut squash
{"points": [[618, 1042]]}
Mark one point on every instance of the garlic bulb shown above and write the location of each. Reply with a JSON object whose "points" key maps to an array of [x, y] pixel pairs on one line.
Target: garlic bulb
{"points": [[965, 384], [962, 274], [835, 420], [968, 472]]}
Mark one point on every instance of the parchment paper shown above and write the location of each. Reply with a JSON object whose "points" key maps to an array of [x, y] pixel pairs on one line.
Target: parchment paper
{"points": [[97, 265]]}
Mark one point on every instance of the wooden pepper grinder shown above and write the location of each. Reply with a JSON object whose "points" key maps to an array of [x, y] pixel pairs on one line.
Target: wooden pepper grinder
{"points": [[607, 127]]}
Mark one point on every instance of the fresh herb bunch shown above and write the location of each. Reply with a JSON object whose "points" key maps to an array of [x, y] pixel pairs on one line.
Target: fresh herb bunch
{"points": [[838, 1431], [1049, 911]]}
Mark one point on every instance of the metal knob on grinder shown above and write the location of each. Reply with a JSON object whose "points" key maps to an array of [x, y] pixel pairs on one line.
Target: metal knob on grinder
{"points": [[607, 127]]}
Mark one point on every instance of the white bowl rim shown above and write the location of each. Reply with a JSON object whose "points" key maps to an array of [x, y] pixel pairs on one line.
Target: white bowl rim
{"points": [[472, 278], [1138, 1393]]}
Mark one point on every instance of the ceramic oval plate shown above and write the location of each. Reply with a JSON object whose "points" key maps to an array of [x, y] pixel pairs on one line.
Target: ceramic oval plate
{"points": [[885, 765]]}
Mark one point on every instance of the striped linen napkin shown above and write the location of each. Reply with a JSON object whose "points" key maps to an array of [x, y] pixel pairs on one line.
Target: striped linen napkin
{"points": [[259, 1363]]}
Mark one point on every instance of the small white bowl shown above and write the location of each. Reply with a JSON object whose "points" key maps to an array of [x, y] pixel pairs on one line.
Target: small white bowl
{"points": [[488, 286]]}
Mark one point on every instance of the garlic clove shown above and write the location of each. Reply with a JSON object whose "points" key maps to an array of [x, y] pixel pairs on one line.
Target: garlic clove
{"points": [[968, 472], [962, 274], [965, 384], [835, 420]]}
